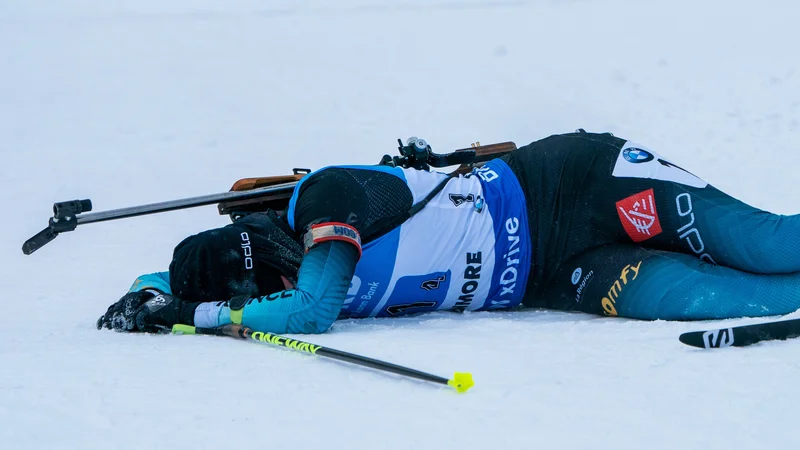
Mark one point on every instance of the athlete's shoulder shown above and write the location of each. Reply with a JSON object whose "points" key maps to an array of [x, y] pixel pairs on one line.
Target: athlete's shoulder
{"points": [[580, 137], [356, 195], [333, 179], [357, 167]]}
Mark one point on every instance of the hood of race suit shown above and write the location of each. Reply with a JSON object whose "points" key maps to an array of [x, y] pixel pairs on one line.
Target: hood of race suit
{"points": [[245, 258]]}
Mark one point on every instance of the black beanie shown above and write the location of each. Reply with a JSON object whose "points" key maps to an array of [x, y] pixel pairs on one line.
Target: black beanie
{"points": [[244, 258]]}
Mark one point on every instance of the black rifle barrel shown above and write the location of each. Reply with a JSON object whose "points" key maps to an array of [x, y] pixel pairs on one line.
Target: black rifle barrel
{"points": [[64, 221], [172, 205]]}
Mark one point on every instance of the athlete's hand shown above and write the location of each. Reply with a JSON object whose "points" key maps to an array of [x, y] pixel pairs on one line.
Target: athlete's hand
{"points": [[121, 316], [163, 311], [147, 311]]}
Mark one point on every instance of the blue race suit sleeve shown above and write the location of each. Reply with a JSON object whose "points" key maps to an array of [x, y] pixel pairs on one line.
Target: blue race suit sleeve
{"points": [[329, 212], [158, 281], [323, 280]]}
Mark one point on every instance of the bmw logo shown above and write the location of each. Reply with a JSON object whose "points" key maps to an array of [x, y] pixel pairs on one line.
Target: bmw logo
{"points": [[637, 155]]}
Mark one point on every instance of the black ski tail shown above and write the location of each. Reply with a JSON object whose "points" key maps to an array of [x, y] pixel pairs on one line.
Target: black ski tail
{"points": [[743, 336]]}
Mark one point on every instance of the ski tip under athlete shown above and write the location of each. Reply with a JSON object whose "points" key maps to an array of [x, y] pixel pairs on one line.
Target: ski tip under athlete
{"points": [[576, 222]]}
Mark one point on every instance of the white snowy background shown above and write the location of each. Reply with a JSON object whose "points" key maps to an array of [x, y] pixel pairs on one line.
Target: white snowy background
{"points": [[137, 101]]}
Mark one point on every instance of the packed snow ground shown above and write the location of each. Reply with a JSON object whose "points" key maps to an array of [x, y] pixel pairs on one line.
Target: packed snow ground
{"points": [[136, 101]]}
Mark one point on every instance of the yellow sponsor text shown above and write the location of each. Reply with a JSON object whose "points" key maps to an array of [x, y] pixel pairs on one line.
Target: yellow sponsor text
{"points": [[629, 273]]}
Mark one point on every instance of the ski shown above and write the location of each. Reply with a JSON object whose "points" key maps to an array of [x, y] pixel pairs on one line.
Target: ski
{"points": [[743, 336]]}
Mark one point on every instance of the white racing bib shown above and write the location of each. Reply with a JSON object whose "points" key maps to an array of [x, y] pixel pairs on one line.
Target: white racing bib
{"points": [[468, 249]]}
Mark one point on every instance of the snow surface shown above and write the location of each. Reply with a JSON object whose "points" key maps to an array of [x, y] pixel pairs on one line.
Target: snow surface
{"points": [[136, 101]]}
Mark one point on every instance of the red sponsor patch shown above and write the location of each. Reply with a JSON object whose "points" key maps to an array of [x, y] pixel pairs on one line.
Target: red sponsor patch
{"points": [[639, 216]]}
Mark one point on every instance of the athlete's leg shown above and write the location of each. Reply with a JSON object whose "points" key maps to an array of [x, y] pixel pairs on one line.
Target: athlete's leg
{"points": [[630, 281], [707, 223], [585, 190]]}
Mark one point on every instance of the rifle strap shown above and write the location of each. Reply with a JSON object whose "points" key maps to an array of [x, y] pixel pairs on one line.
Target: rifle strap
{"points": [[417, 207]]}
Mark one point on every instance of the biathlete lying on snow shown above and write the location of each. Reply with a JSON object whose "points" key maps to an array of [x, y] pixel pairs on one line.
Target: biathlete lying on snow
{"points": [[574, 222]]}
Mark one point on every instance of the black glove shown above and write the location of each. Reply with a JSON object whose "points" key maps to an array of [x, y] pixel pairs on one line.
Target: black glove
{"points": [[147, 311], [162, 312], [121, 315]]}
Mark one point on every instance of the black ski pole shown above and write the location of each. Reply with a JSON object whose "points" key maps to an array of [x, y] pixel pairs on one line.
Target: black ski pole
{"points": [[461, 381], [68, 215]]}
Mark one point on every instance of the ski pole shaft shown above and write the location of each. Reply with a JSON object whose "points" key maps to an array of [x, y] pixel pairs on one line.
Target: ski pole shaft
{"points": [[461, 382]]}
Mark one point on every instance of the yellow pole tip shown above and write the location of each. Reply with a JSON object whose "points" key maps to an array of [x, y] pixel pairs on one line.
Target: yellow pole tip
{"points": [[461, 382], [182, 329]]}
